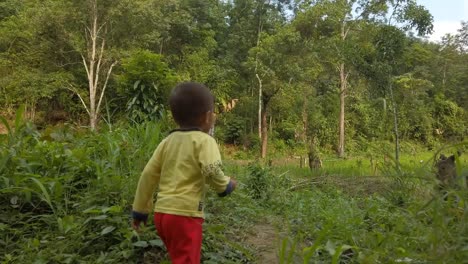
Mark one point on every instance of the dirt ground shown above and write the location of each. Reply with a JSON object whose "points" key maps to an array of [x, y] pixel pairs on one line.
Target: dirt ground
{"points": [[264, 239]]}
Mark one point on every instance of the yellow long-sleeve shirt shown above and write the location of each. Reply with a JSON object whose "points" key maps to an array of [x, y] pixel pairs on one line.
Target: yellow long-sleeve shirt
{"points": [[182, 166]]}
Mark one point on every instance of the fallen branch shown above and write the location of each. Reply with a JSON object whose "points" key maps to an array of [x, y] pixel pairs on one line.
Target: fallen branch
{"points": [[303, 184]]}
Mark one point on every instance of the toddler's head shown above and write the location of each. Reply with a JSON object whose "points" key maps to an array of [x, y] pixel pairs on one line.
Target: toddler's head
{"points": [[192, 106]]}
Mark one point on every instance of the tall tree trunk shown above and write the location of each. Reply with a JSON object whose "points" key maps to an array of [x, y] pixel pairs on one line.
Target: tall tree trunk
{"points": [[92, 78], [343, 86], [264, 133], [305, 118], [444, 76], [395, 128], [260, 92]]}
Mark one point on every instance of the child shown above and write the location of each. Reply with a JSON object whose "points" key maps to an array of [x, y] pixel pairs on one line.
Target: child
{"points": [[182, 165]]}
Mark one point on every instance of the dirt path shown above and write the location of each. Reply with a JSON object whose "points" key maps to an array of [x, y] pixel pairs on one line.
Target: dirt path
{"points": [[264, 239]]}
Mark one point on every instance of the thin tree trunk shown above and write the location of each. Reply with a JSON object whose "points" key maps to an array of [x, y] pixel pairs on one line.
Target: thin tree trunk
{"points": [[271, 124], [264, 133], [343, 87], [444, 76], [395, 128], [304, 118], [343, 84], [260, 91]]}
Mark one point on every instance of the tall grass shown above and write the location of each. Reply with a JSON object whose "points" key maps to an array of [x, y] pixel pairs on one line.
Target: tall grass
{"points": [[406, 221], [65, 193], [65, 197]]}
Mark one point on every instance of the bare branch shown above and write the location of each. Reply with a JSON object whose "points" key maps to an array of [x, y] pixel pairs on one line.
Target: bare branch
{"points": [[81, 99], [86, 66], [347, 75], [98, 67], [101, 27], [258, 78], [346, 33], [87, 31], [104, 87]]}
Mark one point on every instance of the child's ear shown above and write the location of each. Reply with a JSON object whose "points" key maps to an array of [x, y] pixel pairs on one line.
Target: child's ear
{"points": [[208, 117]]}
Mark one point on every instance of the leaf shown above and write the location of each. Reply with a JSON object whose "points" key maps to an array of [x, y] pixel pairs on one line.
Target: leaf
{"points": [[100, 217], [107, 230], [156, 242], [141, 243], [91, 210], [330, 247], [19, 116], [45, 193], [3, 226], [112, 209], [135, 85], [337, 255]]}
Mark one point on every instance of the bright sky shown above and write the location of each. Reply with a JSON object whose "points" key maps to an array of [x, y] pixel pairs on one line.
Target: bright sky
{"points": [[447, 15]]}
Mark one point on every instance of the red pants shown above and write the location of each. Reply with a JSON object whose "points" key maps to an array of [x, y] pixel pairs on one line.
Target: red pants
{"points": [[182, 236]]}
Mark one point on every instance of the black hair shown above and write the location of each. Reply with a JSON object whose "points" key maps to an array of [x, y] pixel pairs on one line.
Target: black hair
{"points": [[189, 101]]}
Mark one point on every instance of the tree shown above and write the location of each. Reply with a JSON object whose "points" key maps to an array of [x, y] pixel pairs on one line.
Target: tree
{"points": [[33, 44], [275, 62], [96, 63], [342, 18]]}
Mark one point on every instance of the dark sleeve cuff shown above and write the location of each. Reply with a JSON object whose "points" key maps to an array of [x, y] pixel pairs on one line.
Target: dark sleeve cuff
{"points": [[139, 216], [229, 189]]}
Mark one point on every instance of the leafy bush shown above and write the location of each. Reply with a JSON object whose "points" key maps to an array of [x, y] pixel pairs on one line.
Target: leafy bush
{"points": [[258, 183], [234, 131], [62, 191], [144, 83]]}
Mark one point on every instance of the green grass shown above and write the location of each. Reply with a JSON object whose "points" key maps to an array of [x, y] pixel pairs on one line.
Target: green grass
{"points": [[65, 198]]}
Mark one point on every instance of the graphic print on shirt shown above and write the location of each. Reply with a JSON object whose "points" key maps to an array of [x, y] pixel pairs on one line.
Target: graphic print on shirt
{"points": [[213, 170]]}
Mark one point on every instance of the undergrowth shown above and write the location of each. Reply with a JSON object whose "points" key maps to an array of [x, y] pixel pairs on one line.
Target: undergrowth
{"points": [[65, 197]]}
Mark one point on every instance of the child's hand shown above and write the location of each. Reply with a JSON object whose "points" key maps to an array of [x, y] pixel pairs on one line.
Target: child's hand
{"points": [[137, 219], [234, 184], [136, 224]]}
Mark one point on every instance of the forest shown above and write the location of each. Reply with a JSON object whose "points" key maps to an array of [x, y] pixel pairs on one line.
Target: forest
{"points": [[337, 117]]}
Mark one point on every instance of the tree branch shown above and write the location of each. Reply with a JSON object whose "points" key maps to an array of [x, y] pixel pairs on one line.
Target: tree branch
{"points": [[104, 87], [81, 99], [85, 65], [98, 67]]}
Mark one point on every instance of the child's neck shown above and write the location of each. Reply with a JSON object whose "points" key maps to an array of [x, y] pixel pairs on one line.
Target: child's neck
{"points": [[191, 128]]}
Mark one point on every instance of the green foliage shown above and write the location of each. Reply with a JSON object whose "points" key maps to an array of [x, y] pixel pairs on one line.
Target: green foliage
{"points": [[330, 224], [65, 196], [224, 45], [53, 184], [258, 182], [448, 116], [234, 131], [144, 84], [65, 193]]}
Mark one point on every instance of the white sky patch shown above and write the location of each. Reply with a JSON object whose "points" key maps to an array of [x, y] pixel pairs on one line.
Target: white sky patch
{"points": [[441, 28], [448, 15], [465, 9]]}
